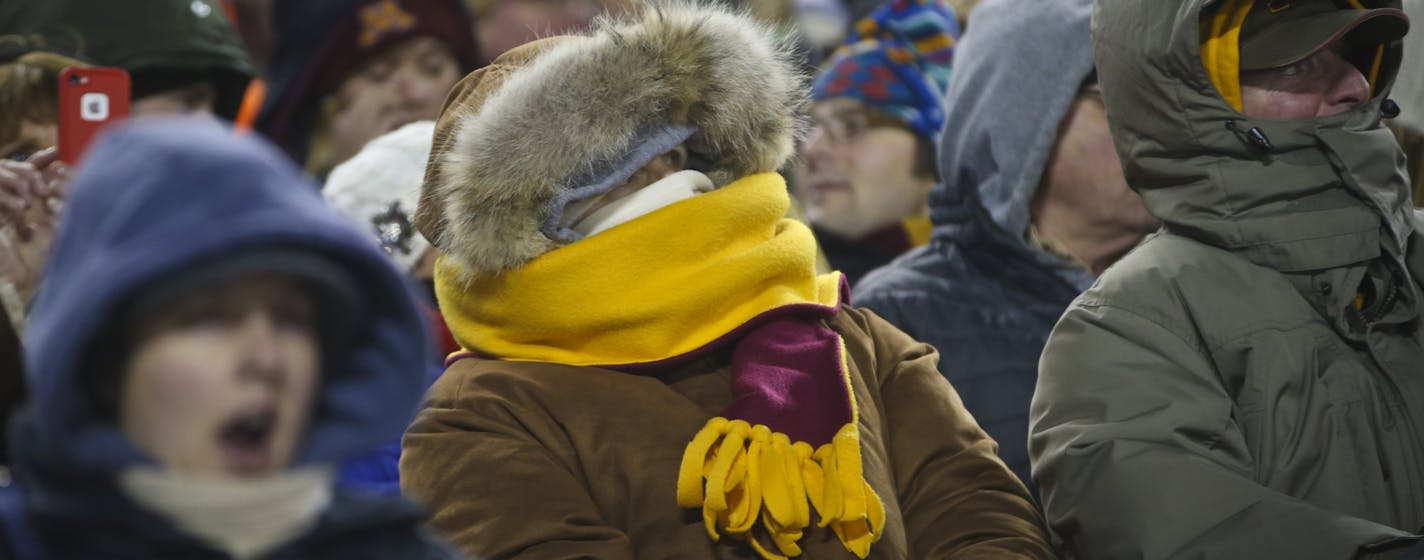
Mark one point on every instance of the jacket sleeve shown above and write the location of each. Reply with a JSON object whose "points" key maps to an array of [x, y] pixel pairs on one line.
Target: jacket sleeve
{"points": [[496, 490], [957, 498], [1137, 455]]}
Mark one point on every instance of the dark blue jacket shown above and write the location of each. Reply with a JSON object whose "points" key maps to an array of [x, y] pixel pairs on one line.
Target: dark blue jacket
{"points": [[377, 472], [987, 301], [980, 293], [147, 201]]}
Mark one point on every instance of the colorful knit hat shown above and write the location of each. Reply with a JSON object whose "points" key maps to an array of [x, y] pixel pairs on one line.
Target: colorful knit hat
{"points": [[897, 60]]}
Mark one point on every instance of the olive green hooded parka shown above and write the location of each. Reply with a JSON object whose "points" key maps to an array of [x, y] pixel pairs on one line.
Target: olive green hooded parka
{"points": [[1217, 393]]}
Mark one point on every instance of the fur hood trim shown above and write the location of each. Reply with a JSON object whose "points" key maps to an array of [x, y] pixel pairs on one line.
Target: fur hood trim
{"points": [[579, 112]]}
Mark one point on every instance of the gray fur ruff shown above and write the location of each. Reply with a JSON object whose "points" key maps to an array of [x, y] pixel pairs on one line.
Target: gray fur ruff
{"points": [[573, 115]]}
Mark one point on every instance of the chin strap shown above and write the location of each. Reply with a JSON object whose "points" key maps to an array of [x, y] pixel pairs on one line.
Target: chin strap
{"points": [[1373, 76]]}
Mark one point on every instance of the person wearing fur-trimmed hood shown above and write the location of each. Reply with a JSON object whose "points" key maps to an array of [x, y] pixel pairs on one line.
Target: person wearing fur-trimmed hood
{"points": [[652, 367]]}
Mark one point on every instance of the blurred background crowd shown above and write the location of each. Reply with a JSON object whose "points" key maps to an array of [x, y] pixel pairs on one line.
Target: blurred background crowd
{"points": [[998, 151]]}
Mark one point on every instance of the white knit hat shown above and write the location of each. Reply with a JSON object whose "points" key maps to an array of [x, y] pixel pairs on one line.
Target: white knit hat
{"points": [[379, 187]]}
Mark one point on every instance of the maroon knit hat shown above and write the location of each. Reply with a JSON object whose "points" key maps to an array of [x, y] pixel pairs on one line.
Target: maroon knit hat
{"points": [[313, 56]]}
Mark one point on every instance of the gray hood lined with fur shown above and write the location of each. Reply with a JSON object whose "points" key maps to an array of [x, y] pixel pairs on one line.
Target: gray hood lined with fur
{"points": [[568, 118]]}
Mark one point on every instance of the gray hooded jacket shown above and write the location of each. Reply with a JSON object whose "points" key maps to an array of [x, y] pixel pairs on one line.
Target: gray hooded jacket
{"points": [[1220, 393], [978, 292]]}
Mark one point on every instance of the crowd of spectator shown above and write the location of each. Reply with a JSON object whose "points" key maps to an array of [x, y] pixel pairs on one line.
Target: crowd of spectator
{"points": [[614, 279]]}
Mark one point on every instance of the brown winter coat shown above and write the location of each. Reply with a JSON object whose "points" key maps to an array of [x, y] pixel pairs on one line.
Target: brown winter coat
{"points": [[537, 460]]}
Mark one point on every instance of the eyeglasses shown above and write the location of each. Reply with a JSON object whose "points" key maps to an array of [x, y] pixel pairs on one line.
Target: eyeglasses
{"points": [[848, 125]]}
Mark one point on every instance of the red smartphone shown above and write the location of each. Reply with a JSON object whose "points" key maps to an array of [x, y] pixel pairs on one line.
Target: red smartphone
{"points": [[89, 99]]}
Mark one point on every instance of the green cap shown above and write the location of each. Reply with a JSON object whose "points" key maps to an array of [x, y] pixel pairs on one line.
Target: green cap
{"points": [[1283, 32], [161, 43]]}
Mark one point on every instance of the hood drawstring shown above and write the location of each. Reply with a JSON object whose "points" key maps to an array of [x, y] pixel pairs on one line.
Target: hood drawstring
{"points": [[1253, 136]]}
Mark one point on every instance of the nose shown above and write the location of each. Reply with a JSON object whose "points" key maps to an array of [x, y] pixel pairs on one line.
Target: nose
{"points": [[417, 91], [816, 147], [262, 349], [1348, 88]]}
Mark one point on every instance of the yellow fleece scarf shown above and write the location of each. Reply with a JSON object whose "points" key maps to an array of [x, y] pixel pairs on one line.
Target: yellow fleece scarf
{"points": [[643, 292], [665, 285]]}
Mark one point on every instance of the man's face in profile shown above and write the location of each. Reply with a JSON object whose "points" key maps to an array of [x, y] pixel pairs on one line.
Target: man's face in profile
{"points": [[1321, 85]]}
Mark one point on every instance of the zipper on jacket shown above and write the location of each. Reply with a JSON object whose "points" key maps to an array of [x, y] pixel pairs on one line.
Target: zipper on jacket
{"points": [[1374, 313], [1368, 317], [1387, 292]]}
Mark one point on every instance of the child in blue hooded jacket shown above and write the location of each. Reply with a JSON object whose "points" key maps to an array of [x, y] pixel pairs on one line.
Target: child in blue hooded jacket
{"points": [[208, 341]]}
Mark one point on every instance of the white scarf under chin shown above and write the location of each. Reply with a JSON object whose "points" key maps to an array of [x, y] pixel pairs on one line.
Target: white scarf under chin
{"points": [[244, 517], [676, 187]]}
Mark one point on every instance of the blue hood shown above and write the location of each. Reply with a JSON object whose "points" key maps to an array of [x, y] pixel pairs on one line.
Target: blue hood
{"points": [[158, 195]]}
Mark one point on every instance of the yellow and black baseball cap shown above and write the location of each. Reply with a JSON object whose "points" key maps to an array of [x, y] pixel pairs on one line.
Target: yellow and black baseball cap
{"points": [[1283, 32]]}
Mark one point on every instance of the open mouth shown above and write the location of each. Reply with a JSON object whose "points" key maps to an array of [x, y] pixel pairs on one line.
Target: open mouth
{"points": [[820, 189], [246, 440]]}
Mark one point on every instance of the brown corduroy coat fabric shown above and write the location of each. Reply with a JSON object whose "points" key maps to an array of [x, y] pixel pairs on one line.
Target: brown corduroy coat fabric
{"points": [[535, 460]]}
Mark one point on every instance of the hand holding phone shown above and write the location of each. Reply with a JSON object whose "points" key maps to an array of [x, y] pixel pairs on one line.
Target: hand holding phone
{"points": [[31, 193], [89, 99]]}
